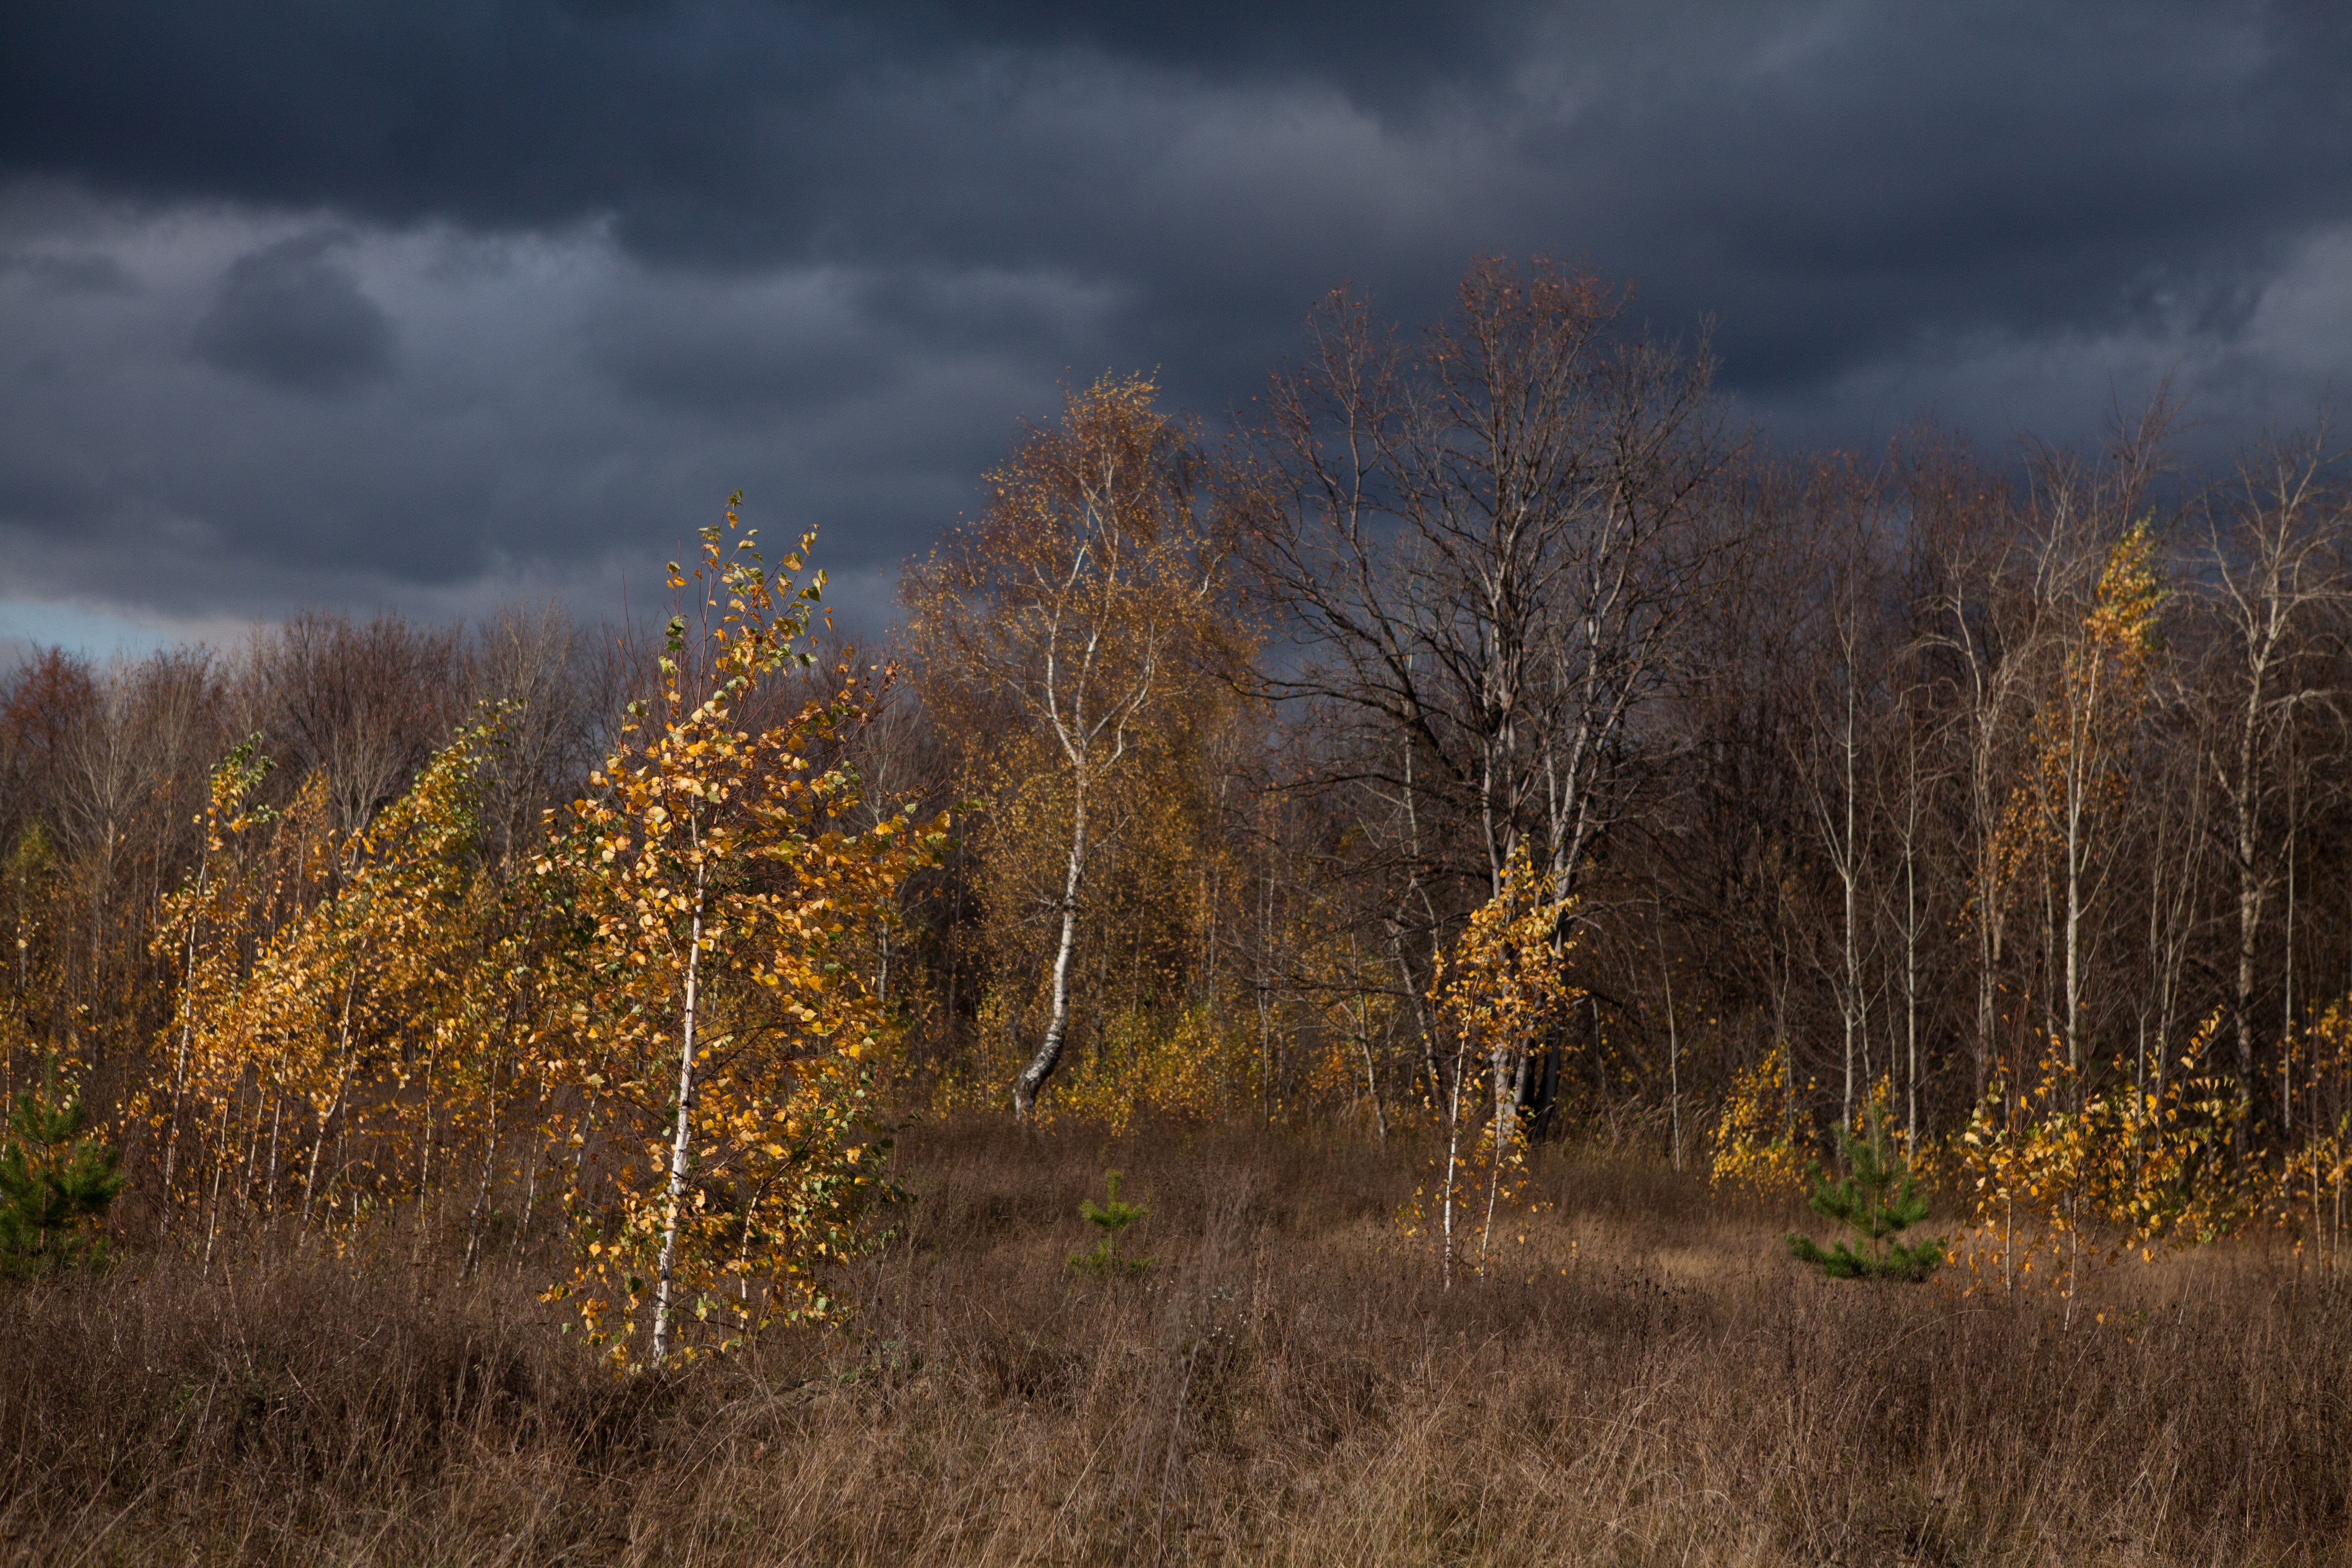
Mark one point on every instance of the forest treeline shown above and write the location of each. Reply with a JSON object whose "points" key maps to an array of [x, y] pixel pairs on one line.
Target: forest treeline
{"points": [[2004, 792]]}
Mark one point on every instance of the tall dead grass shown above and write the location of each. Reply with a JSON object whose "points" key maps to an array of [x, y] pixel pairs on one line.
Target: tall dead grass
{"points": [[1644, 1379]]}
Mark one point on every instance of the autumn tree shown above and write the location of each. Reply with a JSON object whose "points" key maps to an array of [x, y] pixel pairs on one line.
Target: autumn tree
{"points": [[1495, 994], [332, 995], [1081, 612], [2096, 560], [207, 930], [1986, 632], [724, 1040]]}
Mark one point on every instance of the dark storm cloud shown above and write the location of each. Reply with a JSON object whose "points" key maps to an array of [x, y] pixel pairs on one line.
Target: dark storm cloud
{"points": [[1934, 171], [634, 253], [560, 415], [1378, 49], [537, 111], [71, 274], [291, 316], [1825, 179]]}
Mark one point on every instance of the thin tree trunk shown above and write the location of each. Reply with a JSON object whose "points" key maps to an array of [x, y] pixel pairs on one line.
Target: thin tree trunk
{"points": [[1494, 1191], [342, 1082], [2250, 892], [1265, 1007], [269, 1182], [187, 1029], [530, 1201], [1049, 1053], [681, 1138], [1452, 1159], [481, 1199], [1911, 991], [2048, 956], [252, 1151], [220, 1163], [1850, 869], [1429, 1064], [2074, 852], [2286, 1007], [1359, 1015], [425, 1155], [1674, 1046]]}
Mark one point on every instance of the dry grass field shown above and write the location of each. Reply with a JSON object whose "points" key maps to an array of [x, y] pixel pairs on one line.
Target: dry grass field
{"points": [[1645, 1380]]}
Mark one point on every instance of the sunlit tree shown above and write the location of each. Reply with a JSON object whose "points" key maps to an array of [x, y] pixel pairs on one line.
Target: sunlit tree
{"points": [[724, 1043]]}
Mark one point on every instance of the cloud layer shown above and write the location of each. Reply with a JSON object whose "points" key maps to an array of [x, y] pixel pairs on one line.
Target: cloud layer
{"points": [[427, 304]]}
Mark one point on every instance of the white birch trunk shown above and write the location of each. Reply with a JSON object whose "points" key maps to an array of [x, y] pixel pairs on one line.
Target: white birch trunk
{"points": [[681, 1139], [1057, 1024]]}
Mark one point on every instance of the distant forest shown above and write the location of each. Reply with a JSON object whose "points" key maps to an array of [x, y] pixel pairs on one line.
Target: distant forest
{"points": [[2005, 792]]}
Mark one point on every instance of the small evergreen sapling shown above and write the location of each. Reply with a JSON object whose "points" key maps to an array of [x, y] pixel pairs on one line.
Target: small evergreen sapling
{"points": [[1112, 1219], [54, 1186], [1879, 1200]]}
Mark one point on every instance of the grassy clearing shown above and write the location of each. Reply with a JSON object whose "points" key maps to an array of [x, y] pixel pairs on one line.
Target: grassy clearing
{"points": [[1646, 1379]]}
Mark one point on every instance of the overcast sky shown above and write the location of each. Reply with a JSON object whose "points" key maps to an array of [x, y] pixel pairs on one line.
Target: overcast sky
{"points": [[428, 303]]}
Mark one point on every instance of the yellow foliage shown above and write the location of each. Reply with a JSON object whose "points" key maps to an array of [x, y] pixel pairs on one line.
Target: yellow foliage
{"points": [[1504, 983], [1069, 637], [1187, 1067], [2067, 1171], [37, 894], [2101, 689], [321, 976], [722, 1054], [1194, 1063], [1496, 995], [2307, 1197], [1761, 1138]]}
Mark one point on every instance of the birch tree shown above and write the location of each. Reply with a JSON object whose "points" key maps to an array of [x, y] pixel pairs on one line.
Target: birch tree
{"points": [[2081, 745], [725, 1040], [1848, 714], [1082, 604], [2267, 565]]}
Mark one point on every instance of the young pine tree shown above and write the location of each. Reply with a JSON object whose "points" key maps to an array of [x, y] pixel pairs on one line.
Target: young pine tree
{"points": [[54, 1186], [1878, 1200], [1107, 1261]]}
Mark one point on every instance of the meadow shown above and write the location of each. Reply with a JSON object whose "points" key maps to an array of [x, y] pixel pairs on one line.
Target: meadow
{"points": [[1644, 1378]]}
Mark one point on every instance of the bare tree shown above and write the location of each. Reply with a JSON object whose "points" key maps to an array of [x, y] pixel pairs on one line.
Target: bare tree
{"points": [[127, 779], [365, 703], [1487, 547], [1848, 713], [1988, 630], [534, 656], [2267, 567]]}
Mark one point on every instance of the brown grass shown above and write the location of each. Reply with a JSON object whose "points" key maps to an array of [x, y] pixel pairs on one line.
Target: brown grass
{"points": [[1647, 1381]]}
